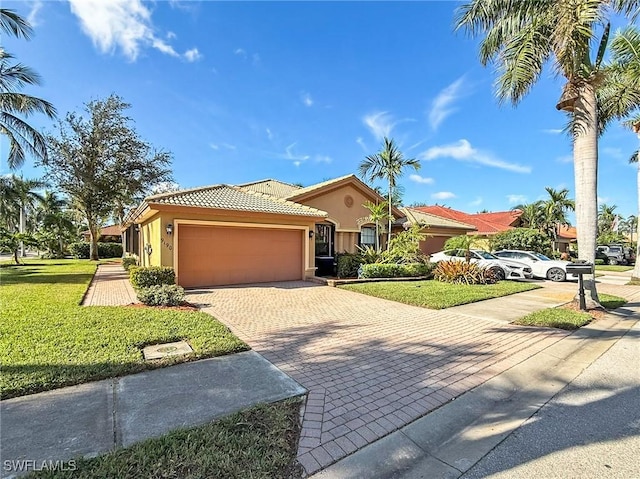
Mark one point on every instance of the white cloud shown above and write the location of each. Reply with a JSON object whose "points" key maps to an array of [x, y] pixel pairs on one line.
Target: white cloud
{"points": [[240, 52], [306, 99], [476, 202], [603, 199], [421, 179], [123, 24], [565, 159], [269, 134], [443, 195], [552, 131], [323, 159], [516, 199], [463, 151], [360, 142], [192, 55], [380, 123], [297, 163], [171, 35], [32, 16], [290, 155], [442, 105], [214, 146]]}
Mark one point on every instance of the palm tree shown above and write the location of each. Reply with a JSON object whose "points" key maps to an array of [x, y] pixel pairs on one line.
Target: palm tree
{"points": [[388, 165], [606, 218], [532, 214], [520, 38], [378, 214], [555, 212], [635, 158], [23, 138]]}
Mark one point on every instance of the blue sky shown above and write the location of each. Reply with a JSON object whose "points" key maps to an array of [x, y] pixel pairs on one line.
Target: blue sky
{"points": [[303, 91]]}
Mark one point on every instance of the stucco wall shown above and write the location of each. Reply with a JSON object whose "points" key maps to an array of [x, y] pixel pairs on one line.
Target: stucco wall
{"points": [[336, 204]]}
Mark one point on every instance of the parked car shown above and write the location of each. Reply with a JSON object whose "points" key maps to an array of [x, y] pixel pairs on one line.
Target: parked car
{"points": [[541, 266], [617, 253], [502, 268]]}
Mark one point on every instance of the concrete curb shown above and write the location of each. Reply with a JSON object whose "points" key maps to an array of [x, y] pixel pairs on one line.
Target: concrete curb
{"points": [[449, 441]]}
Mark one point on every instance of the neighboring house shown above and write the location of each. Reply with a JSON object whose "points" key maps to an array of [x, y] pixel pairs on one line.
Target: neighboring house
{"points": [[110, 234], [567, 235], [486, 224], [255, 232]]}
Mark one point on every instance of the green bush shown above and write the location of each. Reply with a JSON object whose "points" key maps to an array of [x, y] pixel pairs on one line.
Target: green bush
{"points": [[527, 239], [152, 276], [129, 261], [105, 250], [348, 264], [404, 247], [162, 295], [600, 262], [461, 272], [389, 270]]}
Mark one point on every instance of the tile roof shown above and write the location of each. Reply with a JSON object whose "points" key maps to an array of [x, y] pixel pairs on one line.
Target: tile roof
{"points": [[483, 225], [413, 215], [567, 232], [507, 218], [111, 230], [317, 186], [271, 187], [234, 198]]}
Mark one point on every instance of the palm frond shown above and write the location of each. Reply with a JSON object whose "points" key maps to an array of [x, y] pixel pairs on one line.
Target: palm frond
{"points": [[14, 24], [23, 139], [13, 77], [19, 103]]}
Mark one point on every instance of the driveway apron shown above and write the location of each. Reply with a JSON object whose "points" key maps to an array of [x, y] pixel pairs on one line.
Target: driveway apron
{"points": [[371, 365]]}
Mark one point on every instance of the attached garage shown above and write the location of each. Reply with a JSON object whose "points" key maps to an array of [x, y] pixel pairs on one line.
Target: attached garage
{"points": [[220, 255]]}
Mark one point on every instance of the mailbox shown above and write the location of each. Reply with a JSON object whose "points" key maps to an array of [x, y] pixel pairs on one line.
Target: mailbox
{"points": [[580, 268]]}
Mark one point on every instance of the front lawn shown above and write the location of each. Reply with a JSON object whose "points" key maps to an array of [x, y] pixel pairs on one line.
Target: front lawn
{"points": [[437, 295], [568, 318], [613, 267], [259, 443], [47, 340]]}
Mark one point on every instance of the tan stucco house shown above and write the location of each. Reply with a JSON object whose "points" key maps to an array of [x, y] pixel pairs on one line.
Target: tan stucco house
{"points": [[255, 232]]}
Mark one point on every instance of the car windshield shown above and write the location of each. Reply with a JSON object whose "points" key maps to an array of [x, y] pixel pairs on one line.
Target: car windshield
{"points": [[485, 255], [541, 256], [615, 249]]}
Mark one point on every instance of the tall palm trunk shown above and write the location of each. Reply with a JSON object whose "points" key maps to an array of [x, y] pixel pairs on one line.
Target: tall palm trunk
{"points": [[22, 228], [636, 268], [389, 230], [585, 158]]}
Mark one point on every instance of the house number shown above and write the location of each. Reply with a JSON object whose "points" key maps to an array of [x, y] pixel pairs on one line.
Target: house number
{"points": [[167, 244]]}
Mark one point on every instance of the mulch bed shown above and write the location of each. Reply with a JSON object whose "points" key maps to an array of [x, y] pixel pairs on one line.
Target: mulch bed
{"points": [[594, 313]]}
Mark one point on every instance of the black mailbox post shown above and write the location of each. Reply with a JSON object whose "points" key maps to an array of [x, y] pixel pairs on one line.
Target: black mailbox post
{"points": [[579, 269]]}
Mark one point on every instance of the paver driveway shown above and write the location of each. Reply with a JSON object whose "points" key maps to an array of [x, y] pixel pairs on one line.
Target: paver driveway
{"points": [[370, 365]]}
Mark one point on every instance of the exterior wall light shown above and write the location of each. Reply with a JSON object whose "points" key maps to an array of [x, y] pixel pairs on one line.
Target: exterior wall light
{"points": [[148, 249], [310, 233], [169, 229]]}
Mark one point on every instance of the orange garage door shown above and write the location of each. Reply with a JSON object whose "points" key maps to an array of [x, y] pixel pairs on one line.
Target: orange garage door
{"points": [[215, 255]]}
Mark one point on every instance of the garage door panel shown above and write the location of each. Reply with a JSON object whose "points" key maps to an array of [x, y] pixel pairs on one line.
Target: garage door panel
{"points": [[213, 255]]}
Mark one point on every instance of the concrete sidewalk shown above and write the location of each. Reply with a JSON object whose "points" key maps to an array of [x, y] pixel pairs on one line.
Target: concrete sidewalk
{"points": [[97, 417], [448, 442]]}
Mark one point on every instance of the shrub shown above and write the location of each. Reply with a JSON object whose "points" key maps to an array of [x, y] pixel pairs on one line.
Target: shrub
{"points": [[527, 239], [129, 261], [348, 264], [461, 272], [600, 262], [105, 250], [390, 270], [405, 247], [162, 295], [153, 276]]}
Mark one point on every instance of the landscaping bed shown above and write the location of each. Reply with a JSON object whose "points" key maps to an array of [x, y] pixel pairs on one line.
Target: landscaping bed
{"points": [[259, 443], [47, 340], [438, 295]]}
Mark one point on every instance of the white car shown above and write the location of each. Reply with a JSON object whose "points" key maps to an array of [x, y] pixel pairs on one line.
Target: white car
{"points": [[503, 268], [542, 266]]}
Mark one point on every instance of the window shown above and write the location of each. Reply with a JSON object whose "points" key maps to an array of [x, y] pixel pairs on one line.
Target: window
{"points": [[367, 236], [324, 240]]}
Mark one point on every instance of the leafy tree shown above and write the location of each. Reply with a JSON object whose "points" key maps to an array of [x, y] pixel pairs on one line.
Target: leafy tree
{"points": [[527, 239], [18, 197], [387, 164], [23, 138], [378, 214], [404, 247], [13, 241], [101, 163], [519, 38]]}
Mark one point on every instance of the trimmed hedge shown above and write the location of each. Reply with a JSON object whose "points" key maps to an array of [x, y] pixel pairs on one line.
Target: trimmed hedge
{"points": [[129, 261], [80, 250], [162, 295], [391, 270], [152, 276], [348, 264]]}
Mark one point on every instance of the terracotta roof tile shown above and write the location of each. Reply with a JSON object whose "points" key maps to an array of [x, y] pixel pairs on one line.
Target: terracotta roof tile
{"points": [[317, 186], [234, 198], [479, 220], [413, 215], [275, 188]]}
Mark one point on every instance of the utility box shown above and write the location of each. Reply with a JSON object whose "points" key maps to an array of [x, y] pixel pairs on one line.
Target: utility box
{"points": [[580, 268]]}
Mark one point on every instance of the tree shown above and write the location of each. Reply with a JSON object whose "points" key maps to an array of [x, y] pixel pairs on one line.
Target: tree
{"points": [[606, 218], [532, 214], [18, 197], [378, 214], [56, 226], [555, 212], [519, 38], [23, 138], [635, 158], [101, 163], [527, 239], [465, 242], [387, 165]]}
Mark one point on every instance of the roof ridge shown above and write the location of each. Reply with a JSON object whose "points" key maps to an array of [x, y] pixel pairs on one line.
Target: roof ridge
{"points": [[183, 192], [431, 214], [314, 186], [268, 179], [276, 199]]}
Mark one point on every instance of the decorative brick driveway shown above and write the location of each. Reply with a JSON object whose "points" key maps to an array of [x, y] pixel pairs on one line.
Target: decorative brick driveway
{"points": [[370, 365]]}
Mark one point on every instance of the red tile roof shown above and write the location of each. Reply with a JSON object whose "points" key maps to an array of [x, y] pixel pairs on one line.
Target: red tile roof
{"points": [[485, 223], [112, 230], [567, 232]]}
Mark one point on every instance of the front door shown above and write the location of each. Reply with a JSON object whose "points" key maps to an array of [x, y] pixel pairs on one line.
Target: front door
{"points": [[325, 254]]}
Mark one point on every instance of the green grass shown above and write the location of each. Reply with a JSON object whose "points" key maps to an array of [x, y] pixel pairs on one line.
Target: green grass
{"points": [[47, 340], [564, 318], [259, 443], [612, 267], [437, 295], [634, 282]]}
